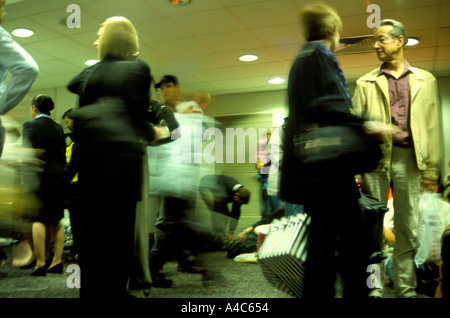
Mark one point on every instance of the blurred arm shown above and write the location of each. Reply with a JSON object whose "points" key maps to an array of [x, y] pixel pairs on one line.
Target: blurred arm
{"points": [[23, 69]]}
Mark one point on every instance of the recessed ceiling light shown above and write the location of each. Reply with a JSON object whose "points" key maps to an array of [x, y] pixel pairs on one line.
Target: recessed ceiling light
{"points": [[22, 32], [412, 41], [91, 62], [179, 2], [276, 80], [248, 58]]}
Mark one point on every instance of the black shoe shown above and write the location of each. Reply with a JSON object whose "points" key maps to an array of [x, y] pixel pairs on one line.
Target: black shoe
{"points": [[57, 269], [40, 271]]}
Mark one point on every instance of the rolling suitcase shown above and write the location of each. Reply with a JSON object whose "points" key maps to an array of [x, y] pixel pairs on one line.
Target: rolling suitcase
{"points": [[282, 256]]}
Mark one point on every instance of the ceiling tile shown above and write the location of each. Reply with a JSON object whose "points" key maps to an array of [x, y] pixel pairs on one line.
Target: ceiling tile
{"points": [[289, 33], [443, 53], [263, 14], [232, 57], [209, 22], [444, 36], [201, 42], [59, 67], [168, 10], [160, 30], [426, 15], [138, 10], [444, 17], [61, 47], [241, 39], [191, 47], [415, 55], [357, 60], [56, 20], [38, 55], [41, 30]]}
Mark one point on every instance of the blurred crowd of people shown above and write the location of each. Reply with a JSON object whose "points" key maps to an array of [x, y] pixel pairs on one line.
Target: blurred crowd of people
{"points": [[118, 133], [101, 175]]}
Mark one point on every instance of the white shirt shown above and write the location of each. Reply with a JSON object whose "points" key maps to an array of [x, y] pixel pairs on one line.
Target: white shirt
{"points": [[189, 107]]}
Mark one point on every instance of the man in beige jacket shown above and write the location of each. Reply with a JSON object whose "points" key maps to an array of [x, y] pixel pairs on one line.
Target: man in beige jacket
{"points": [[407, 98]]}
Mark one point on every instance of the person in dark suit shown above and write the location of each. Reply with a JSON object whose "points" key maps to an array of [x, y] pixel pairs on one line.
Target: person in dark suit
{"points": [[218, 191], [45, 135], [111, 131]]}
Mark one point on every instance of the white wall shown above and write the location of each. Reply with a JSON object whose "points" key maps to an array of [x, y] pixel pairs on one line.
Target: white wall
{"points": [[249, 103]]}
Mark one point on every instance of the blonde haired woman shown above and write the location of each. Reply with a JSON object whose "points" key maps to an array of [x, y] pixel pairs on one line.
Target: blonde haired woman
{"points": [[119, 39], [111, 131]]}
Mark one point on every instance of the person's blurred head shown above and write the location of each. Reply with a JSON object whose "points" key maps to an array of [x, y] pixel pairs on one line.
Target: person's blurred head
{"points": [[202, 98], [320, 21], [117, 38], [41, 104]]}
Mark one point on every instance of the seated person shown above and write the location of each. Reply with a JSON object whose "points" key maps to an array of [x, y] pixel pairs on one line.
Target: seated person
{"points": [[277, 214]]}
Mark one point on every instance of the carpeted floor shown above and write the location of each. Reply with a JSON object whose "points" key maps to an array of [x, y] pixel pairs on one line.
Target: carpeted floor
{"points": [[224, 278], [18, 283]]}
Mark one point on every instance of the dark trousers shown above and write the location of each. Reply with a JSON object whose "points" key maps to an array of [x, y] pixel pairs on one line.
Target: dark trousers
{"points": [[106, 250], [337, 241], [108, 199], [172, 232]]}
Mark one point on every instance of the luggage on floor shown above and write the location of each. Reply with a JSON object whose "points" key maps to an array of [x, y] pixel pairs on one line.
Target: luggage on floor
{"points": [[282, 256]]}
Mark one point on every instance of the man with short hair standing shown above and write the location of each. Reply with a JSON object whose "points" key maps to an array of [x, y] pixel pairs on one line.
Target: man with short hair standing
{"points": [[170, 91], [407, 97], [175, 200]]}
